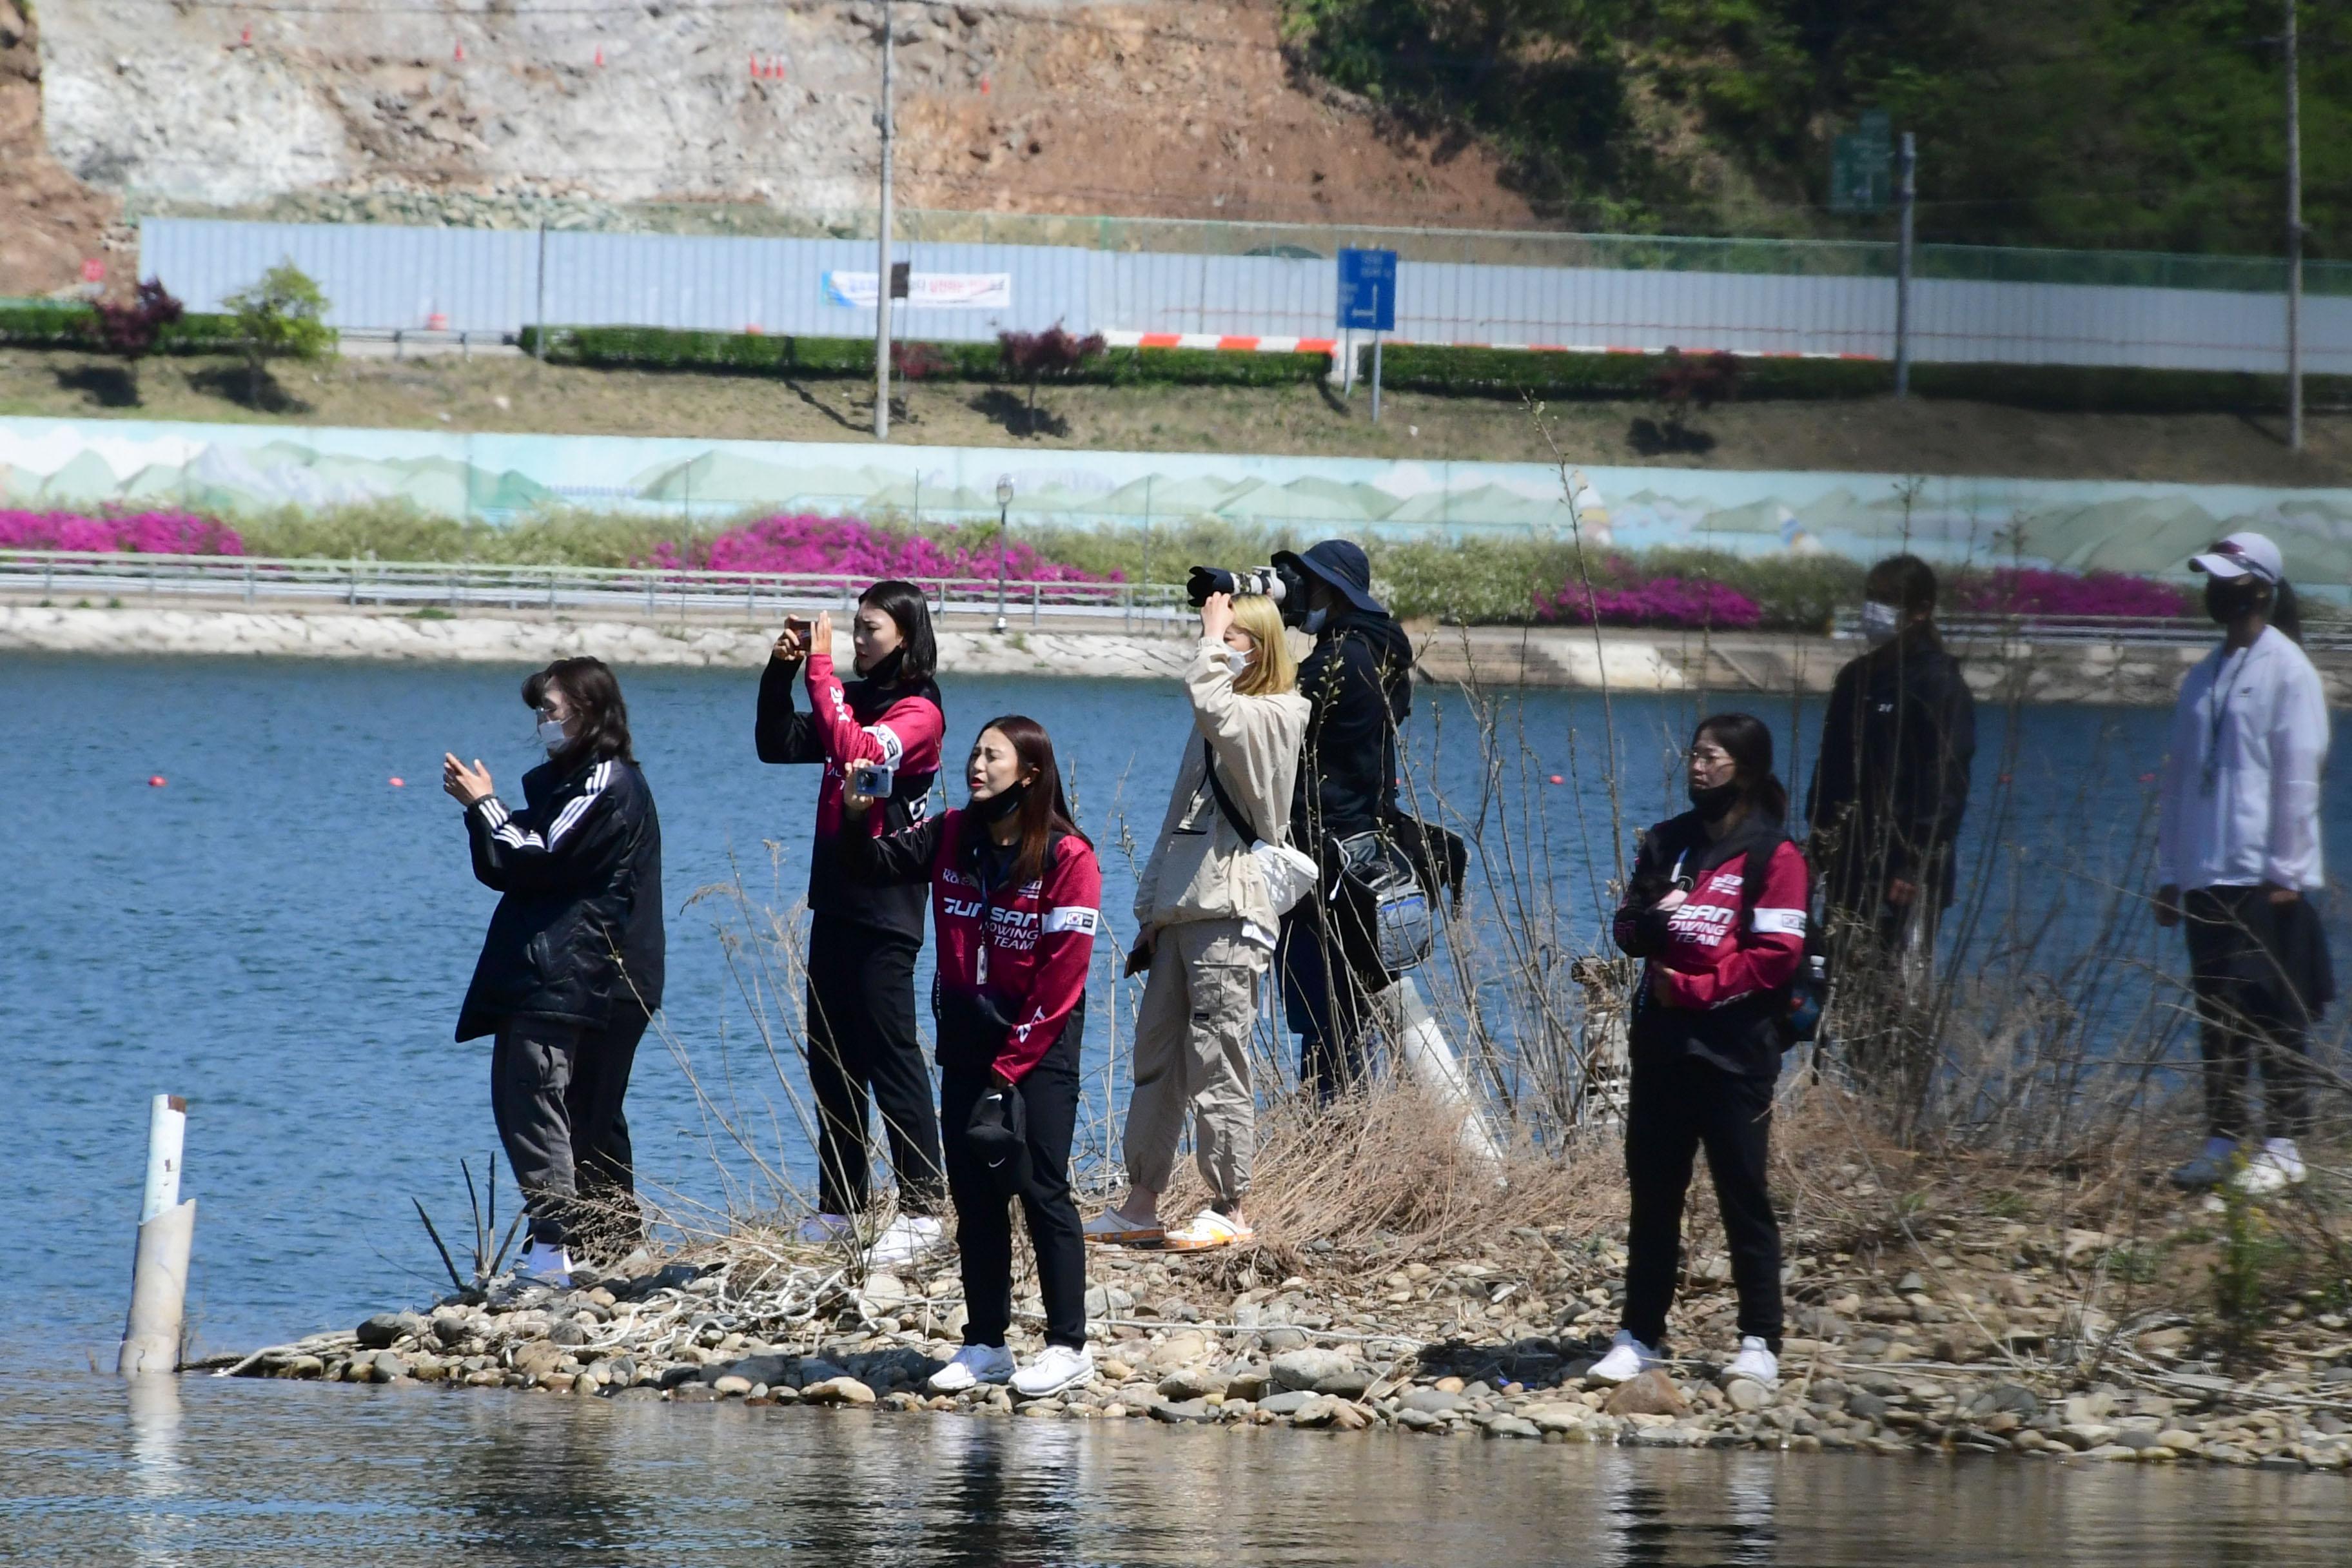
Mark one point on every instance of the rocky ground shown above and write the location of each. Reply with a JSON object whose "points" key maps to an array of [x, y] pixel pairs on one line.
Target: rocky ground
{"points": [[2002, 1337]]}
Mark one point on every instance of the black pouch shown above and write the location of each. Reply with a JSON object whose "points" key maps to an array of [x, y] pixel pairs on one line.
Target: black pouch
{"points": [[998, 1135], [1377, 882]]}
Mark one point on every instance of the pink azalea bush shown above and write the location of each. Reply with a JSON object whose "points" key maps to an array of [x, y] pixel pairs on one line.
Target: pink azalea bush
{"points": [[805, 544], [1683, 603], [2030, 591], [136, 532]]}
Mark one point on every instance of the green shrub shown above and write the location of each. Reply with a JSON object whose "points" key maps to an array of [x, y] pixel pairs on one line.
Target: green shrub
{"points": [[48, 325], [280, 315], [1625, 377], [664, 348]]}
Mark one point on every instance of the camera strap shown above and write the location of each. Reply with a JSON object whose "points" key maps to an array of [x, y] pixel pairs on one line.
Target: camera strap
{"points": [[1233, 814]]}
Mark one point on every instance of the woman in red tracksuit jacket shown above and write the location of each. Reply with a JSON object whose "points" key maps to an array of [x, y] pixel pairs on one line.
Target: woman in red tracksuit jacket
{"points": [[1016, 895], [863, 942], [1716, 904]]}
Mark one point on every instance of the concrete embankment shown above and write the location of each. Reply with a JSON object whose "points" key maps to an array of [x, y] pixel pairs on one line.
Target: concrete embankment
{"points": [[1622, 660]]}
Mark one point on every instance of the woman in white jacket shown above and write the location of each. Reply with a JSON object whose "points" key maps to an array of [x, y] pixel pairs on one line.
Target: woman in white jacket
{"points": [[1207, 925], [2238, 854]]}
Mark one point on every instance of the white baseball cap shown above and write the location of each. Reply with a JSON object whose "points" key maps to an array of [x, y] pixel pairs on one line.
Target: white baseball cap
{"points": [[2240, 554]]}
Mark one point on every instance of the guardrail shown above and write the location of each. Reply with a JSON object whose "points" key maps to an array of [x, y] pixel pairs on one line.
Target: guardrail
{"points": [[649, 590], [2136, 631]]}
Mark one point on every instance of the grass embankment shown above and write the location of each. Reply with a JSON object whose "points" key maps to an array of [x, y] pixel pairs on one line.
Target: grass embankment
{"points": [[1870, 433]]}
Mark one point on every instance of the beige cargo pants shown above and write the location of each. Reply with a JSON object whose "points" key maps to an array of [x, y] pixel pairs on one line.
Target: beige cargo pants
{"points": [[1192, 1052]]}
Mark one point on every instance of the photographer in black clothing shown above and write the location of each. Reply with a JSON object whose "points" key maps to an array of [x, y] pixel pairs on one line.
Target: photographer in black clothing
{"points": [[1357, 683], [571, 970], [1891, 783]]}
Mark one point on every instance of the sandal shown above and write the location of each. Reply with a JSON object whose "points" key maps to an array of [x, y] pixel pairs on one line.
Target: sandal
{"points": [[1209, 1230], [1113, 1228]]}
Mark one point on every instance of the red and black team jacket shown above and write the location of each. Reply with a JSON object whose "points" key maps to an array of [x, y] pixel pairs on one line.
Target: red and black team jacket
{"points": [[848, 726], [1721, 962], [1012, 961]]}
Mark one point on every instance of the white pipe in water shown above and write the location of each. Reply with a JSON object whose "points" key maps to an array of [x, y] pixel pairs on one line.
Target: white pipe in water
{"points": [[159, 1273], [1434, 1066], [167, 1134]]}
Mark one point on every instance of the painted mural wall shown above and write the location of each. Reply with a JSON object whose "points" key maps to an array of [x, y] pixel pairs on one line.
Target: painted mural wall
{"points": [[2078, 524]]}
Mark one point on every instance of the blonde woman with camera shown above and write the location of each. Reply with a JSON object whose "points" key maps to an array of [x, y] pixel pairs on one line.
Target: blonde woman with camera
{"points": [[1209, 908]]}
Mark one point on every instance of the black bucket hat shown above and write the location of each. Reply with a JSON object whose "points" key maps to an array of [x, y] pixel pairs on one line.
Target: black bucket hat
{"points": [[1341, 563]]}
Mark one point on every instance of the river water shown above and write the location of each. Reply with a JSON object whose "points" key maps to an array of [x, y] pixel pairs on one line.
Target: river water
{"points": [[259, 1475]]}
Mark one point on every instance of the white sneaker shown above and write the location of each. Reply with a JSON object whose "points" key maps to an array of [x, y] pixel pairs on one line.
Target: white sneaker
{"points": [[1628, 1359], [1755, 1362], [905, 1239], [1057, 1369], [825, 1230], [544, 1265], [972, 1365], [2275, 1166]]}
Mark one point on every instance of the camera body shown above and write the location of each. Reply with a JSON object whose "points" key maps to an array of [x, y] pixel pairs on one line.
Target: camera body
{"points": [[1282, 584]]}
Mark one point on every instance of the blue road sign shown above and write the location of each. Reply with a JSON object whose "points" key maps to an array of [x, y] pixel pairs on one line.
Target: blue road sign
{"points": [[1368, 291]]}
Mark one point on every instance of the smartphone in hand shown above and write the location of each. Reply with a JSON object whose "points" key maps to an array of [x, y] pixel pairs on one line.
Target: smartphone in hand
{"points": [[871, 779]]}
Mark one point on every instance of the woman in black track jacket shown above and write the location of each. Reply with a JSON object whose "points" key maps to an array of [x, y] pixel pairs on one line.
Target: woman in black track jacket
{"points": [[570, 972]]}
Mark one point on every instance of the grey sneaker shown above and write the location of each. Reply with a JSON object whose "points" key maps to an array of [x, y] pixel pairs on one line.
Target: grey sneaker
{"points": [[2214, 1164]]}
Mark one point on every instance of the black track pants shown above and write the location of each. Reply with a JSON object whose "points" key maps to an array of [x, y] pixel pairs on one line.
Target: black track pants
{"points": [[984, 1216], [557, 1093], [862, 1043], [1679, 1105], [2251, 965]]}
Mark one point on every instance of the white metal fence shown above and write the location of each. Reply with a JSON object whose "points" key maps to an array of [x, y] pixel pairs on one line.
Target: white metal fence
{"points": [[56, 575], [490, 280]]}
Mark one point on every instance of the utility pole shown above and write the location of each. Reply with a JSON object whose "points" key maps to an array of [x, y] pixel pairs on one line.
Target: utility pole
{"points": [[882, 266], [1910, 191], [2293, 241]]}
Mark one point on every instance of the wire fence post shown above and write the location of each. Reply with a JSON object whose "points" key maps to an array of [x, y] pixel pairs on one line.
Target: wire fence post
{"points": [[539, 335], [1903, 271]]}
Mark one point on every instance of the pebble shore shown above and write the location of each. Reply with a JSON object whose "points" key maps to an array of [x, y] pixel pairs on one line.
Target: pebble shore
{"points": [[1974, 1345]]}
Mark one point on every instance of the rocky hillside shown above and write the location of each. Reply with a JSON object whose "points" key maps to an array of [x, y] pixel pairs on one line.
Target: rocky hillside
{"points": [[1178, 108]]}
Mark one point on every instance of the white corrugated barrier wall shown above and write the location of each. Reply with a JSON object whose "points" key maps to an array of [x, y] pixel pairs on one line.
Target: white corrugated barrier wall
{"points": [[489, 281]]}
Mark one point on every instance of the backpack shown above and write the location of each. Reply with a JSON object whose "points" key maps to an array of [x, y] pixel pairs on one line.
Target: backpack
{"points": [[1798, 1005]]}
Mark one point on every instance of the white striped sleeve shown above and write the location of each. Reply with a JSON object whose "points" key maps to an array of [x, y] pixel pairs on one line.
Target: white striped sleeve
{"points": [[887, 739], [1778, 922]]}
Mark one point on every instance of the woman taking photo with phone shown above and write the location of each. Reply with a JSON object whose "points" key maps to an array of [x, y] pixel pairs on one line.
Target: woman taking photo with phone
{"points": [[1208, 920], [1015, 901], [863, 941], [1716, 904], [572, 968]]}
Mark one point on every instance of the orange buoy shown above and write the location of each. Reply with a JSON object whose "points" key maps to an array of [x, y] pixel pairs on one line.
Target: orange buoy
{"points": [[398, 782], [1556, 779], [155, 781]]}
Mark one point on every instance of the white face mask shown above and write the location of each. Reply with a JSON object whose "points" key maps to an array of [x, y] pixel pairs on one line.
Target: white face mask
{"points": [[552, 735], [1238, 659], [1880, 622]]}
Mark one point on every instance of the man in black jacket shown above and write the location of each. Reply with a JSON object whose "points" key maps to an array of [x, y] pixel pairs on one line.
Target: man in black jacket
{"points": [[570, 971], [1357, 683], [1891, 783]]}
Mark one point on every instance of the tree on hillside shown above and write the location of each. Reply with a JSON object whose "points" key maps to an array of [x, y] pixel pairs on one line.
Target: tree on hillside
{"points": [[279, 316], [131, 329], [1054, 354]]}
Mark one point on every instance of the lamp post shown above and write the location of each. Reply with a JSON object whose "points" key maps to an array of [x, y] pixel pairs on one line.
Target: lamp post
{"points": [[1003, 521]]}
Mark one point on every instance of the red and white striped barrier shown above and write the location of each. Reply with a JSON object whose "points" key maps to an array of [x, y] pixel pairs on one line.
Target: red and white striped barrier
{"points": [[1263, 345]]}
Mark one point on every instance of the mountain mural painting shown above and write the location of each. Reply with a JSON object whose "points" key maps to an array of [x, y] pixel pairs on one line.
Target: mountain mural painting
{"points": [[2079, 525]]}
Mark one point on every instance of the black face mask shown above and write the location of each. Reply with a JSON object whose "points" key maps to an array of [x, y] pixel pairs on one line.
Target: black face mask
{"points": [[2227, 598], [999, 806], [1713, 801]]}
